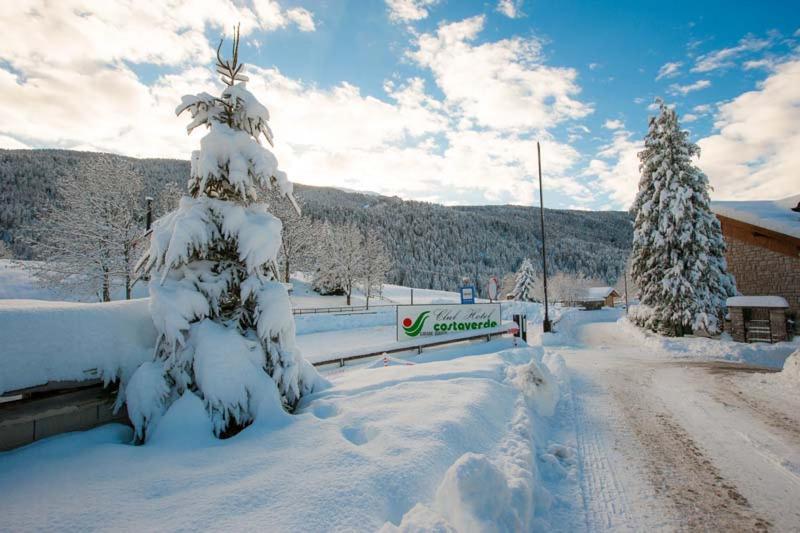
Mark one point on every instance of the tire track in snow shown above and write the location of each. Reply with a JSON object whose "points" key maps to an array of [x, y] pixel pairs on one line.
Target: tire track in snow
{"points": [[680, 470], [616, 495]]}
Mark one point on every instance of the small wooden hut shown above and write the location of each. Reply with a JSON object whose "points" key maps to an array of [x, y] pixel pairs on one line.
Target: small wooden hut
{"points": [[758, 318]]}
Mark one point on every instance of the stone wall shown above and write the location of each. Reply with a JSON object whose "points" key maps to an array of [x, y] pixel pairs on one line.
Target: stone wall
{"points": [[759, 271]]}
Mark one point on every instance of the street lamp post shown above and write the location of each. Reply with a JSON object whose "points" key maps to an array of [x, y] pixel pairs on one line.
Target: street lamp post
{"points": [[546, 325]]}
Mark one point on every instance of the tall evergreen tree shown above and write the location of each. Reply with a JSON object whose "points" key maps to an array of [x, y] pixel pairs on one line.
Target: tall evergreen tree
{"points": [[678, 250], [525, 284], [226, 331]]}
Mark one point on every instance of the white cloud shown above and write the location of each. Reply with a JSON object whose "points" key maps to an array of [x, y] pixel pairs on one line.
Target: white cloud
{"points": [[613, 124], [302, 17], [702, 109], [686, 89], [83, 36], [476, 144], [765, 63], [502, 84], [68, 82], [10, 143], [616, 168], [756, 152], [689, 117], [409, 10], [669, 70], [724, 57], [510, 8]]}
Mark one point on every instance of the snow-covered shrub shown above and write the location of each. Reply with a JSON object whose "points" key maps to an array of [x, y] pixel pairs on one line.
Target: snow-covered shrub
{"points": [[225, 327], [678, 259]]}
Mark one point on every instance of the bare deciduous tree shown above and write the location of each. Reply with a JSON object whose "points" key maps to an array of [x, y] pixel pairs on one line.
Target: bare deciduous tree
{"points": [[376, 263], [87, 240]]}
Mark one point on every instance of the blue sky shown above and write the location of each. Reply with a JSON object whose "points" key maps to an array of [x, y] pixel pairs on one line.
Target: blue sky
{"points": [[433, 100]]}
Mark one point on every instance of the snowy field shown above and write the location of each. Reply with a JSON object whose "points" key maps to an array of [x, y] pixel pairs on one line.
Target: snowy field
{"points": [[17, 282], [304, 297]]}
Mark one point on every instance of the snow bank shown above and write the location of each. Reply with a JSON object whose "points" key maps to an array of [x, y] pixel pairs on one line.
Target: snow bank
{"points": [[722, 348], [60, 341], [435, 445], [791, 368], [501, 491], [322, 322]]}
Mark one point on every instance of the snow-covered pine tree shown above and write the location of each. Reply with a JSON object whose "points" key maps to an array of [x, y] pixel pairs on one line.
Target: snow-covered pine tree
{"points": [[678, 251], [525, 284], [225, 327]]}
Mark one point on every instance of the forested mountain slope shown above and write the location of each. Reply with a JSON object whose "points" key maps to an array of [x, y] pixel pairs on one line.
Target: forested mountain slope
{"points": [[432, 246]]}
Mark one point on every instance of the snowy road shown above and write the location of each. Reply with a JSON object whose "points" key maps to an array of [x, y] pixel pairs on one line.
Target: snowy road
{"points": [[675, 445]]}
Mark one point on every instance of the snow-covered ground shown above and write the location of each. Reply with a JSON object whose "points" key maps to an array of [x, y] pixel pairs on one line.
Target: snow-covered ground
{"points": [[610, 429]]}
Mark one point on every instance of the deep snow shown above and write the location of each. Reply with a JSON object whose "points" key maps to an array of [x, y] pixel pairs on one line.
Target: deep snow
{"points": [[44, 341], [452, 441]]}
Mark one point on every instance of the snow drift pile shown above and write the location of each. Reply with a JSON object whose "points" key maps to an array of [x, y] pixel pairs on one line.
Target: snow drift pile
{"points": [[225, 329], [791, 369]]}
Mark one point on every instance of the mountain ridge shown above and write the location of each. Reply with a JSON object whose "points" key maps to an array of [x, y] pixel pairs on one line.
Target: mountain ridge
{"points": [[431, 245]]}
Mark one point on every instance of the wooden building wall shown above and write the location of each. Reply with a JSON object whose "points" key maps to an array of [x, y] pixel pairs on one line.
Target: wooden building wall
{"points": [[762, 261]]}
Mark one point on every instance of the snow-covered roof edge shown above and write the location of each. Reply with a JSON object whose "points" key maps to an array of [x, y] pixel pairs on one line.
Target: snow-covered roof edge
{"points": [[775, 215], [757, 301]]}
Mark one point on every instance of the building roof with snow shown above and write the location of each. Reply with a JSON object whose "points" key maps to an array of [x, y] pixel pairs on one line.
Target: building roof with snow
{"points": [[775, 215], [597, 294]]}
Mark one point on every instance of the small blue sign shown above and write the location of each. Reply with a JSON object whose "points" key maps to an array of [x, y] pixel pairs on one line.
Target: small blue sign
{"points": [[468, 294]]}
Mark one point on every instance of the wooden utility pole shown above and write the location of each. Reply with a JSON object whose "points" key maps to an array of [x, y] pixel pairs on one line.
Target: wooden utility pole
{"points": [[625, 277], [546, 324]]}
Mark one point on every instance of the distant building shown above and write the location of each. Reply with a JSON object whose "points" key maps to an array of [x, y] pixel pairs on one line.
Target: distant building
{"points": [[763, 247], [597, 297]]}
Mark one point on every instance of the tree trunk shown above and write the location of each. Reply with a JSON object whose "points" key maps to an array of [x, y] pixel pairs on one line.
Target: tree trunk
{"points": [[127, 256], [286, 269], [106, 286], [348, 295]]}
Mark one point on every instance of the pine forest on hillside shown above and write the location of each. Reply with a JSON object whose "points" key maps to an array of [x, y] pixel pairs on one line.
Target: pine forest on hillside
{"points": [[430, 245]]}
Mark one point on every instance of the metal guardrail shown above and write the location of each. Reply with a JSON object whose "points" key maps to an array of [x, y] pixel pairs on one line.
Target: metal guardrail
{"points": [[341, 309], [341, 360]]}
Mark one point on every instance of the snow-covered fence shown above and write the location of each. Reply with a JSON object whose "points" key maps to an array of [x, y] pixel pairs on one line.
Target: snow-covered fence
{"points": [[58, 356]]}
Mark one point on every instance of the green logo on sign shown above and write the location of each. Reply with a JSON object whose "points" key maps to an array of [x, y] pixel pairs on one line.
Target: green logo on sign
{"points": [[412, 329]]}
